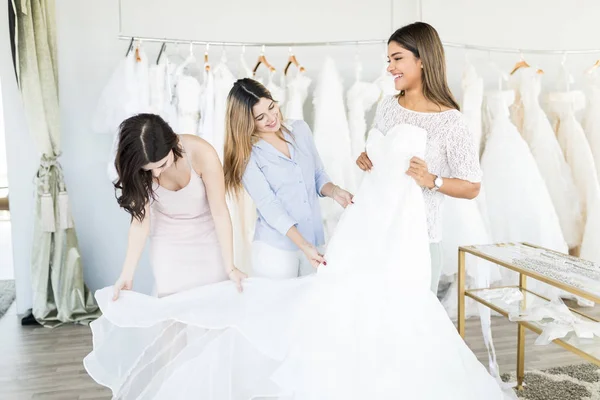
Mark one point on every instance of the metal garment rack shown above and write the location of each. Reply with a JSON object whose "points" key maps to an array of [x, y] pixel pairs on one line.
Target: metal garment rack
{"points": [[490, 49]]}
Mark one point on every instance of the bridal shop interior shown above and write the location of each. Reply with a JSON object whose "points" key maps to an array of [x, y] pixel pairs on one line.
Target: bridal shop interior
{"points": [[313, 55]]}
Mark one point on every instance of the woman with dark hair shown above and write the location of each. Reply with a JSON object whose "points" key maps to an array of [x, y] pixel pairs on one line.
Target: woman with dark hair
{"points": [[278, 165], [451, 165], [172, 185]]}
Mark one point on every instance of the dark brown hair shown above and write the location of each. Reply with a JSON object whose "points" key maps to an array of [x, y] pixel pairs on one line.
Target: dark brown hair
{"points": [[143, 139], [423, 41]]}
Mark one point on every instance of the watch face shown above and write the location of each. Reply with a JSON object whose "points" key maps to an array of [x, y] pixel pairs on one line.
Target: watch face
{"points": [[438, 182]]}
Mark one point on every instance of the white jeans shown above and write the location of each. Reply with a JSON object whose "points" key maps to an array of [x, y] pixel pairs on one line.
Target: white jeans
{"points": [[271, 262]]}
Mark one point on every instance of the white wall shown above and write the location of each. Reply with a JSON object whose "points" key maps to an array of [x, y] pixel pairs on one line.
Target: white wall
{"points": [[22, 162], [88, 50]]}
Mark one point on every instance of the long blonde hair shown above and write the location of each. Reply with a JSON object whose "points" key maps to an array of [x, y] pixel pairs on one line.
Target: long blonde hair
{"points": [[240, 132], [423, 41]]}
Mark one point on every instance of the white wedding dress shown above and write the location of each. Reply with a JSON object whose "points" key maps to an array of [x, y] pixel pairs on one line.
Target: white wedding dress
{"points": [[332, 139], [591, 118], [571, 137], [518, 202], [360, 98], [297, 92], [366, 326], [533, 124]]}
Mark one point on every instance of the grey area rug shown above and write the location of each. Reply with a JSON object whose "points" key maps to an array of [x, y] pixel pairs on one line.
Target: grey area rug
{"points": [[574, 382], [7, 296]]}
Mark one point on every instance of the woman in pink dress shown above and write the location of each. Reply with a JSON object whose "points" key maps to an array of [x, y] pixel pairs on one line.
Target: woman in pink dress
{"points": [[173, 187]]}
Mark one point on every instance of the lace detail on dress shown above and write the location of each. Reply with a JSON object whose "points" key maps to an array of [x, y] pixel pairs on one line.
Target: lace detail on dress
{"points": [[450, 152]]}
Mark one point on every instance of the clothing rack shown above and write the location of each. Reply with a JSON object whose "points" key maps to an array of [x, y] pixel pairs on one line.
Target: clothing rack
{"points": [[351, 43]]}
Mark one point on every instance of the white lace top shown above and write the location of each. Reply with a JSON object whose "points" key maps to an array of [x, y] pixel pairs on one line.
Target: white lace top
{"points": [[450, 150]]}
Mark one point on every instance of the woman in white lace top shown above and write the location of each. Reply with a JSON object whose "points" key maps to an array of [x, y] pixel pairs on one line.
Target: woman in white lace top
{"points": [[451, 166]]}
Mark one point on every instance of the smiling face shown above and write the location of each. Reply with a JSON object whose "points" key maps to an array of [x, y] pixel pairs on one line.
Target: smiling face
{"points": [[405, 67], [266, 116], [158, 167]]}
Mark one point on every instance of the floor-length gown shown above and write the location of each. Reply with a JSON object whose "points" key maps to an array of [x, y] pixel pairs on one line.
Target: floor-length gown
{"points": [[360, 98], [518, 202], [591, 118], [206, 129], [572, 140], [126, 94], [297, 91], [332, 138], [464, 223], [534, 126], [366, 326]]}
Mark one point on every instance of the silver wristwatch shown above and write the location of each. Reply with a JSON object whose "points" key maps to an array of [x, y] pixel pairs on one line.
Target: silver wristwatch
{"points": [[437, 183]]}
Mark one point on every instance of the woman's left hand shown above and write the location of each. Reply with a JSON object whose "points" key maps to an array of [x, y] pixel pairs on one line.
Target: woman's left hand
{"points": [[341, 196], [419, 172]]}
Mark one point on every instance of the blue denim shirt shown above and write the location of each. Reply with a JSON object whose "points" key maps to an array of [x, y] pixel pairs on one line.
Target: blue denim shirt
{"points": [[285, 190]]}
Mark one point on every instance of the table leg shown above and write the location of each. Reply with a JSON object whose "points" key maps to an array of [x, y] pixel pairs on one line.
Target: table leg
{"points": [[461, 293], [521, 339]]}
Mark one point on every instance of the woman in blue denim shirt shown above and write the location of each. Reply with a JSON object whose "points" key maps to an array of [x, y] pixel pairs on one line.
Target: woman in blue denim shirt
{"points": [[278, 165]]}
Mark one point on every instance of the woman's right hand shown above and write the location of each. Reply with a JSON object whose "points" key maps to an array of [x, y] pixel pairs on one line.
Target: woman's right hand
{"points": [[364, 162], [125, 282], [314, 257]]}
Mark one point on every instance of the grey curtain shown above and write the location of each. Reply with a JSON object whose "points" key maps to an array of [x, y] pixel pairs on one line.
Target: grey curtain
{"points": [[59, 292]]}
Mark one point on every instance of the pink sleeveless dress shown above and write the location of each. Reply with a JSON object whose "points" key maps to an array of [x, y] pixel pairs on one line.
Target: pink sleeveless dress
{"points": [[184, 248]]}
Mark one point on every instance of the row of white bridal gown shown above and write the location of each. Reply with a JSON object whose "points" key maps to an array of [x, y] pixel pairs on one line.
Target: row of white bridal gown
{"points": [[366, 326], [535, 128], [577, 152], [297, 92], [518, 202], [332, 139], [464, 222], [591, 118]]}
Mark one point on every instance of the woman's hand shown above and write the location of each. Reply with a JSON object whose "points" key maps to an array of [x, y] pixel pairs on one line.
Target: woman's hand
{"points": [[125, 282], [341, 196], [419, 172], [237, 277], [313, 255], [364, 162]]}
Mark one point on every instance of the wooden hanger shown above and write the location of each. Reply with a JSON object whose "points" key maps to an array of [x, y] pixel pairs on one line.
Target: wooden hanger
{"points": [[519, 65], [206, 64], [593, 67], [262, 60], [292, 60]]}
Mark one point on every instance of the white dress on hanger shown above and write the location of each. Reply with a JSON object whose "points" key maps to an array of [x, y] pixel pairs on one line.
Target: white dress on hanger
{"points": [[332, 139], [206, 129], [297, 92], [125, 95], [187, 92], [366, 326], [463, 223], [277, 91], [161, 92], [534, 126], [518, 202], [591, 118], [223, 82], [572, 140]]}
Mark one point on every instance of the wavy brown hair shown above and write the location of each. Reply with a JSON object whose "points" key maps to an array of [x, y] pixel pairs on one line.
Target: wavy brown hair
{"points": [[240, 133], [423, 41], [143, 139]]}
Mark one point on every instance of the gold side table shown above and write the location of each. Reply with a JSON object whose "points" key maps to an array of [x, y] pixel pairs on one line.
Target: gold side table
{"points": [[559, 270]]}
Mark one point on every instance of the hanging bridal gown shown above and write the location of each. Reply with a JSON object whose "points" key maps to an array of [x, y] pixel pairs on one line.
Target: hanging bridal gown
{"points": [[206, 129], [591, 118], [332, 138], [223, 82], [125, 95], [366, 326], [297, 91], [161, 92], [464, 223], [360, 98], [277, 91], [534, 126], [518, 202], [188, 90], [562, 107]]}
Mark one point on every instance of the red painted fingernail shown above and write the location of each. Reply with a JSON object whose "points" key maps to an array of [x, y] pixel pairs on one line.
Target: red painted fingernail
{"points": [[324, 263]]}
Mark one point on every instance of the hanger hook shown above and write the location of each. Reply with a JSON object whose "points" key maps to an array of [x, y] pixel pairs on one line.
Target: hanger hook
{"points": [[262, 51], [564, 59], [521, 55], [243, 49], [191, 48], [207, 47]]}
